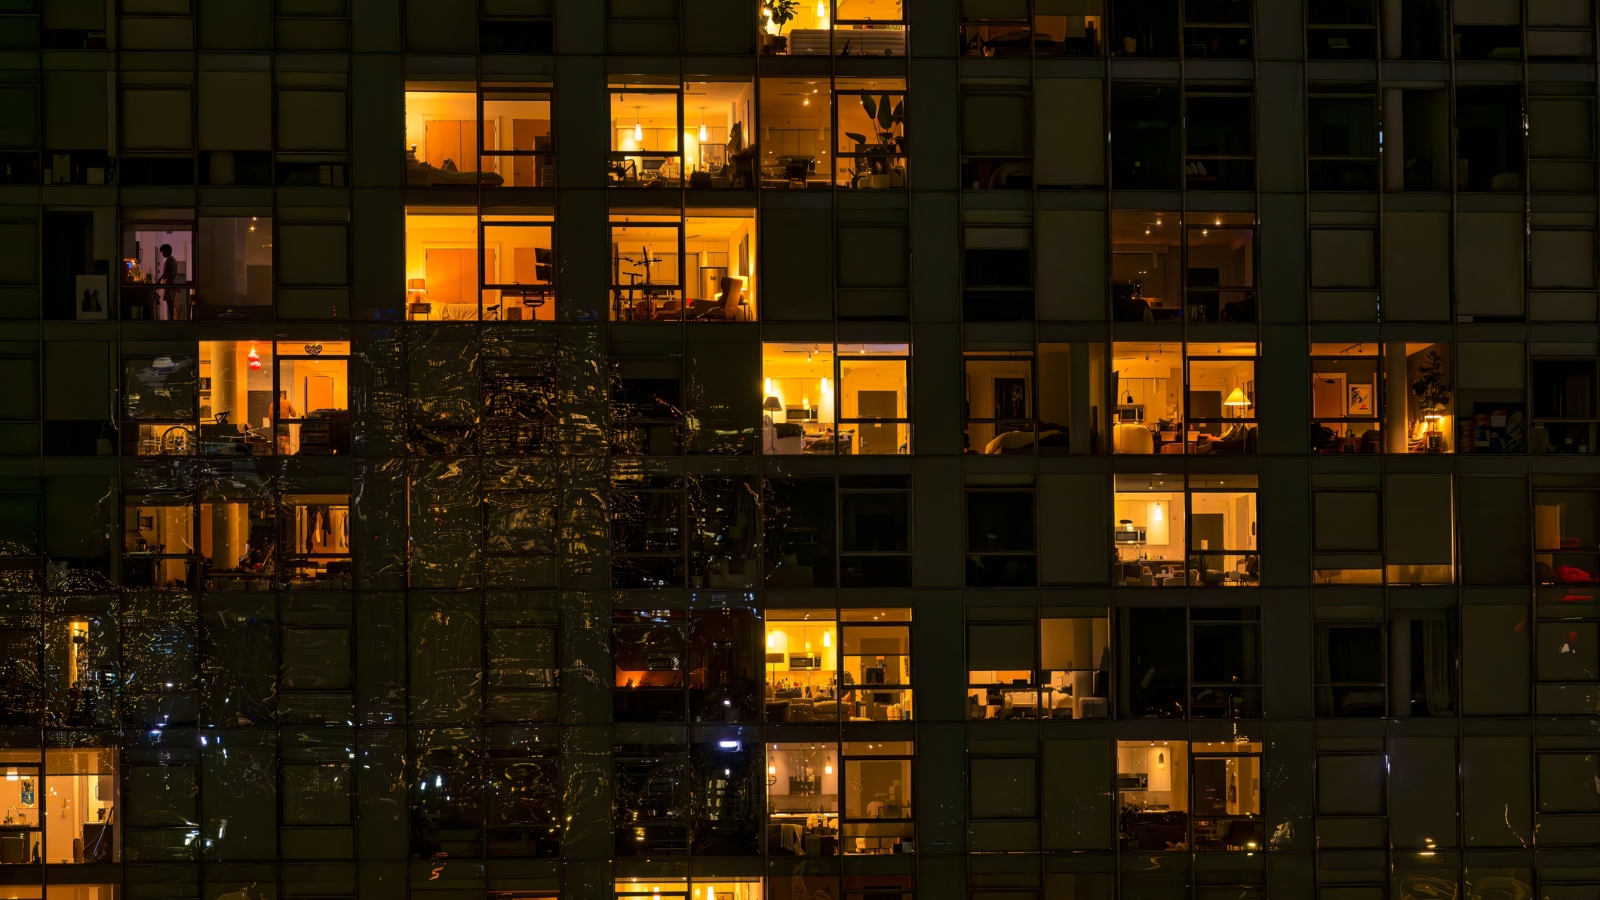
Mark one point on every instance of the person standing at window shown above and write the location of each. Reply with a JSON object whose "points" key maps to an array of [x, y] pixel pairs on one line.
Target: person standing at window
{"points": [[168, 307]]}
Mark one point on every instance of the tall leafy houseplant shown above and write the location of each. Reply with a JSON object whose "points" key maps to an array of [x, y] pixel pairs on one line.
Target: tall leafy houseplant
{"points": [[781, 12], [879, 153], [1432, 390]]}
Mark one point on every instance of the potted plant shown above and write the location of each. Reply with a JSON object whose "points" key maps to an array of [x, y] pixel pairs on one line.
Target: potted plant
{"points": [[780, 13], [881, 152], [1432, 390]]}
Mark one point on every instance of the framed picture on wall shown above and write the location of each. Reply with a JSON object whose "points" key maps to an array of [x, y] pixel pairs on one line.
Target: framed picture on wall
{"points": [[92, 298], [1360, 400], [744, 256]]}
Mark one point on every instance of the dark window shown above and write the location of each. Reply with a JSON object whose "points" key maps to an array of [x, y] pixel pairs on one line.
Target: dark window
{"points": [[799, 534], [1146, 153], [1341, 29], [1154, 651], [1145, 28], [1342, 140], [1490, 137], [1216, 29], [874, 531], [649, 649], [1226, 667], [1349, 674], [1000, 542], [1220, 133], [647, 533]]}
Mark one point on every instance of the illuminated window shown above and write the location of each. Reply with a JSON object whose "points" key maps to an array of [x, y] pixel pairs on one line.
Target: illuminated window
{"points": [[158, 274], [84, 824], [803, 799], [314, 541], [802, 665], [518, 269], [235, 398], [442, 275], [158, 541], [719, 133], [647, 148], [442, 140], [313, 398], [796, 133], [518, 146], [877, 797], [872, 132], [1346, 398], [836, 28], [23, 795]]}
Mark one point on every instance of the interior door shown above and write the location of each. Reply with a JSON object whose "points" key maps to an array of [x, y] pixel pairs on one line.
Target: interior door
{"points": [[878, 437]]}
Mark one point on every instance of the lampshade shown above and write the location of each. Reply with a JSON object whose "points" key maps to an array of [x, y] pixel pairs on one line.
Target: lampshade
{"points": [[417, 284], [1236, 398], [772, 404]]}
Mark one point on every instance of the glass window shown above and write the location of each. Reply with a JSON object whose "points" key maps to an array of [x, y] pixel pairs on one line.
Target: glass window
{"points": [[796, 132], [1566, 536], [997, 136], [1001, 551], [1003, 29], [646, 136], [442, 140], [518, 269], [233, 272], [999, 402], [802, 666], [1221, 399], [314, 541], [1146, 134], [1342, 29], [719, 133], [874, 401], [238, 543], [1150, 532], [1225, 663], [1349, 666], [875, 661], [1346, 403], [1144, 28], [1564, 406], [997, 273], [1342, 137], [158, 541], [799, 532], [518, 146], [798, 406], [442, 278], [803, 799], [650, 648], [651, 793], [1075, 666], [1153, 795], [158, 272], [235, 397], [874, 531], [1146, 267], [1490, 130], [1222, 531], [1227, 807], [1423, 662], [1419, 401], [23, 793], [1217, 29], [646, 275], [84, 783], [647, 406], [313, 398], [872, 132], [159, 394], [724, 665], [1219, 128], [720, 266], [1220, 266], [1490, 31], [856, 28], [1146, 386], [647, 532], [877, 797]]}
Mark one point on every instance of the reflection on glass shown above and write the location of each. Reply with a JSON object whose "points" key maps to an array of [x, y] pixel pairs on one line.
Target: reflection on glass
{"points": [[314, 541], [1227, 796], [159, 395], [158, 541]]}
